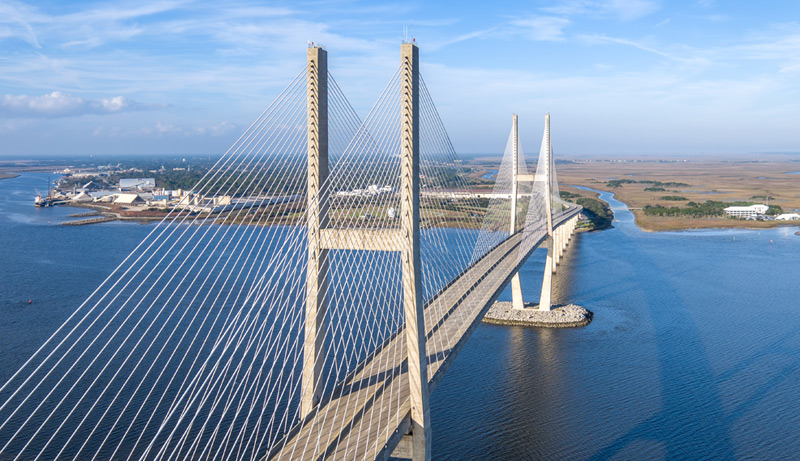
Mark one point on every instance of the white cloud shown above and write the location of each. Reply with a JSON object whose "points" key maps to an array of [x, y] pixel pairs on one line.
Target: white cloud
{"points": [[58, 104]]}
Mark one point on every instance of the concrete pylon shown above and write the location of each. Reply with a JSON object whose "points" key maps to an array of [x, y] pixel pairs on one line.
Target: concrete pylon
{"points": [[516, 285], [317, 269], [557, 246], [410, 253], [545, 299]]}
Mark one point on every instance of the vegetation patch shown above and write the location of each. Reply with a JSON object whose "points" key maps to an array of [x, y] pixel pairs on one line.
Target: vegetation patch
{"points": [[674, 198], [709, 208], [619, 182], [598, 212], [569, 195]]}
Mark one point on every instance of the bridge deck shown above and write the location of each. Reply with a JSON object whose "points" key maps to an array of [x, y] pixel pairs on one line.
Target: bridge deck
{"points": [[381, 384]]}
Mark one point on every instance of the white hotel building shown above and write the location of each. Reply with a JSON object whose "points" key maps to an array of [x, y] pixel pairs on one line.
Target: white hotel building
{"points": [[746, 212]]}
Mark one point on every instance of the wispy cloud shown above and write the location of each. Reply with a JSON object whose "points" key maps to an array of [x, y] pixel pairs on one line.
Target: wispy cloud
{"points": [[781, 45], [625, 10], [15, 21], [219, 64], [166, 129], [94, 27], [600, 38], [541, 28], [57, 104], [662, 23], [436, 45]]}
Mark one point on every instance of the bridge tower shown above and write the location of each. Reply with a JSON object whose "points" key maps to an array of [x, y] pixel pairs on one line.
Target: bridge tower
{"points": [[317, 269], [410, 253], [405, 240], [545, 299]]}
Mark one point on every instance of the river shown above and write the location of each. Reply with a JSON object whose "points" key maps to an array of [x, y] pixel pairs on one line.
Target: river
{"points": [[694, 351]]}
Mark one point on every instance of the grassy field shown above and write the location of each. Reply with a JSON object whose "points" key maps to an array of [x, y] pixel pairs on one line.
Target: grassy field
{"points": [[725, 181]]}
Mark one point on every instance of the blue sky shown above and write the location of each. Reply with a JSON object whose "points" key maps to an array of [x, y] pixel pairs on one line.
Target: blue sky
{"points": [[617, 76]]}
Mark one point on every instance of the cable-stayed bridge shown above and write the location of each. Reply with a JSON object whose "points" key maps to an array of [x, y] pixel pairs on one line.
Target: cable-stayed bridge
{"points": [[304, 301]]}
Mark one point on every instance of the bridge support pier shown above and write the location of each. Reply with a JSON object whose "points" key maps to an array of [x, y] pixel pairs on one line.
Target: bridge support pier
{"points": [[545, 299], [563, 235], [317, 213], [557, 244], [567, 234]]}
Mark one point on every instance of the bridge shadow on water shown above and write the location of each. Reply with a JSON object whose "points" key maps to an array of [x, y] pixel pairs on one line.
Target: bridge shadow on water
{"points": [[696, 419], [659, 374], [692, 421]]}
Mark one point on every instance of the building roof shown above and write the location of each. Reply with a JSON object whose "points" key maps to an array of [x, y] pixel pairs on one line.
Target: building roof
{"points": [[755, 208], [91, 185], [128, 199], [82, 197]]}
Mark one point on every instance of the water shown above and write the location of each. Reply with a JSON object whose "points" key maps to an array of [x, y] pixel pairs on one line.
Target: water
{"points": [[54, 267], [694, 351], [490, 175]]}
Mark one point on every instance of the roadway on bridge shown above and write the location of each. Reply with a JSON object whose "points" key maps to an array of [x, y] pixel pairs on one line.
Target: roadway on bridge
{"points": [[450, 318]]}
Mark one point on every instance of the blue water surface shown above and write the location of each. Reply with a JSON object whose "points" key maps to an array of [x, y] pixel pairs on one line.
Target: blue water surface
{"points": [[694, 351]]}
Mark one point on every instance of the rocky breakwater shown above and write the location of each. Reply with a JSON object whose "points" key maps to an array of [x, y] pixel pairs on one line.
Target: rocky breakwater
{"points": [[566, 316]]}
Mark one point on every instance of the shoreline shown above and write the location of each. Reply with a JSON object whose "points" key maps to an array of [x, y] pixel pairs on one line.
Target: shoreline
{"points": [[110, 214], [8, 176], [704, 228], [720, 224], [692, 224]]}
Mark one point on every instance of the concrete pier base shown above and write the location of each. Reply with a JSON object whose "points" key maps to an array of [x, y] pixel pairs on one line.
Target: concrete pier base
{"points": [[564, 316]]}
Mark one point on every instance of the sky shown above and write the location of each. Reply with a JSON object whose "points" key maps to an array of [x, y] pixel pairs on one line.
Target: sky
{"points": [[619, 77]]}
